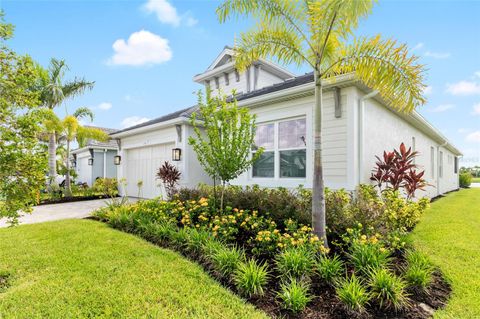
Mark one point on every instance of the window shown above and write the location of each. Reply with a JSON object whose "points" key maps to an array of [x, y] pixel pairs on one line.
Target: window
{"points": [[413, 148], [227, 80], [237, 76], [217, 85], [440, 165], [284, 146], [455, 169], [432, 161]]}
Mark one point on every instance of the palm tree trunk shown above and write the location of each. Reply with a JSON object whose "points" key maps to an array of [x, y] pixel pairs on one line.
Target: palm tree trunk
{"points": [[318, 195], [52, 158], [68, 187]]}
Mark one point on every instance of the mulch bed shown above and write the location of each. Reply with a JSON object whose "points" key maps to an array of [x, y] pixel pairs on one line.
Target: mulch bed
{"points": [[5, 279]]}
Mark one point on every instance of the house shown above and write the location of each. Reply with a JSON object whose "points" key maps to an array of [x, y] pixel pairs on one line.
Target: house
{"points": [[95, 160], [357, 126]]}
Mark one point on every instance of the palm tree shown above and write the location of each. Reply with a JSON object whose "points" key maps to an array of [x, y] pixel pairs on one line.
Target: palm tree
{"points": [[53, 92], [70, 130], [320, 33]]}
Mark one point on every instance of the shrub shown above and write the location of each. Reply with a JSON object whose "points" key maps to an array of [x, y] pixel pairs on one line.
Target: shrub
{"points": [[169, 175], [179, 238], [163, 232], [352, 293], [295, 262], [419, 271], [251, 278], [367, 256], [196, 240], [387, 289], [294, 295], [106, 186], [465, 179], [329, 269], [226, 260]]}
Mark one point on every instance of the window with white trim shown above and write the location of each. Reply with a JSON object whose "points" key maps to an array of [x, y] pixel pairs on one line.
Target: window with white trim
{"points": [[285, 151], [440, 165], [432, 161]]}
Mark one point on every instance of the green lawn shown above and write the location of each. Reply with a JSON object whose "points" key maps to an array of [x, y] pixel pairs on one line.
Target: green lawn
{"points": [[475, 179], [81, 268], [450, 234]]}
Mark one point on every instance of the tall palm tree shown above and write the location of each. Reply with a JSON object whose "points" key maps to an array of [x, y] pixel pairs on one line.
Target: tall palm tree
{"points": [[53, 92], [320, 33]]}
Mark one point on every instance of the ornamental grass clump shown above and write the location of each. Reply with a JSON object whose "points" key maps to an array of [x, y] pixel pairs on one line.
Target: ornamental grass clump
{"points": [[353, 294], [329, 269], [388, 290], [294, 295], [251, 278], [296, 262], [419, 270], [226, 260], [196, 241], [367, 256]]}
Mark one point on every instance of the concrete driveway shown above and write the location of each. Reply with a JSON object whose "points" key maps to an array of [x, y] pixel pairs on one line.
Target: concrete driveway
{"points": [[45, 213]]}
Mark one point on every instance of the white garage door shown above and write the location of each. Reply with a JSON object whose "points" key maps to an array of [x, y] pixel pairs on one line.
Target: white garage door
{"points": [[142, 165]]}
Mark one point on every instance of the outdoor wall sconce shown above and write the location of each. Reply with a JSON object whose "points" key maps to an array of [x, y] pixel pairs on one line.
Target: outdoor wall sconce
{"points": [[73, 162], [176, 154], [90, 161], [117, 159]]}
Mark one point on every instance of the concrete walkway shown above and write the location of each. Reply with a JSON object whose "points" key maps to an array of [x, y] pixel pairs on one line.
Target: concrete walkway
{"points": [[45, 213], [475, 185]]}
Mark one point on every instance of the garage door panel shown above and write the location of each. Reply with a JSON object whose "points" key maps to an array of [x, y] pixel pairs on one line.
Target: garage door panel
{"points": [[142, 164]]}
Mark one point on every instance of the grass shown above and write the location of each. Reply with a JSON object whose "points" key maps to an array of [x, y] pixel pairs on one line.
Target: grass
{"points": [[475, 179], [84, 269], [449, 234]]}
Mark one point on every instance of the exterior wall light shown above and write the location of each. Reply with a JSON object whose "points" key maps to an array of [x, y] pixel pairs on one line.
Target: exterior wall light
{"points": [[117, 159], [176, 154], [90, 161]]}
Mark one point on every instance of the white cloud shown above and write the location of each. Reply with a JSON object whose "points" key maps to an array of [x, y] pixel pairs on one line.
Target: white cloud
{"points": [[476, 74], [476, 109], [105, 106], [464, 88], [473, 137], [437, 55], [133, 120], [142, 47], [418, 46], [428, 90], [442, 108], [167, 13]]}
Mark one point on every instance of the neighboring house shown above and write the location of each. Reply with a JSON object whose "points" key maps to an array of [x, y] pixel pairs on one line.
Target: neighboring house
{"points": [[357, 126], [95, 160]]}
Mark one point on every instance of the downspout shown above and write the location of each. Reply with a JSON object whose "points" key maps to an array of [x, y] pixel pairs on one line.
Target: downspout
{"points": [[105, 163], [438, 166], [361, 119]]}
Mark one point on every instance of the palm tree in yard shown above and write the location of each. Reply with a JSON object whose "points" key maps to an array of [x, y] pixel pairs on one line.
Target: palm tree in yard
{"points": [[54, 91], [70, 130], [320, 34]]}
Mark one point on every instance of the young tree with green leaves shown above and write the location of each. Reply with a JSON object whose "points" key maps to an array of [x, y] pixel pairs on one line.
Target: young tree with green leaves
{"points": [[54, 92], [224, 135], [22, 162], [319, 33], [70, 130]]}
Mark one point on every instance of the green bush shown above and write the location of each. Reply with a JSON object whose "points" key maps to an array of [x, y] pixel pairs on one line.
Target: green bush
{"points": [[251, 278], [196, 240], [367, 256], [294, 295], [387, 289], [419, 270], [465, 179], [226, 260], [353, 294], [106, 186], [295, 262], [330, 269]]}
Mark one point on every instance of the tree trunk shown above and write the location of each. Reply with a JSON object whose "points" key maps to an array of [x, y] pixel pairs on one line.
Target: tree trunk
{"points": [[68, 187], [52, 158], [221, 199], [318, 192]]}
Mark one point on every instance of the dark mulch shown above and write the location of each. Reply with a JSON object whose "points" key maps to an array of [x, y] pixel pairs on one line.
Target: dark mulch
{"points": [[5, 279], [70, 199]]}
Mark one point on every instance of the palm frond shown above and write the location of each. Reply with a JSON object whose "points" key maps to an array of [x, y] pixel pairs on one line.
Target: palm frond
{"points": [[83, 112], [90, 133], [385, 66], [76, 87]]}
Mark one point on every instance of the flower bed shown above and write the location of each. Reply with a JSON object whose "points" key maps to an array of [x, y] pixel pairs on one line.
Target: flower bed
{"points": [[284, 269]]}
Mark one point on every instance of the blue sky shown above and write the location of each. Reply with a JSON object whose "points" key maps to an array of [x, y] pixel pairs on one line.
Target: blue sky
{"points": [[107, 41]]}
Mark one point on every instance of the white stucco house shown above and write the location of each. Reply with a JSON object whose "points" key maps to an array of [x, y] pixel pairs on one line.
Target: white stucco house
{"points": [[357, 126], [95, 160]]}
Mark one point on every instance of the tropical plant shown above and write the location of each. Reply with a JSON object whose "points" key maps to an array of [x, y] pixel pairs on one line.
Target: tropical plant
{"points": [[54, 91], [169, 175], [224, 135], [251, 278], [22, 160], [226, 260], [353, 294], [419, 270], [318, 33], [294, 295], [367, 256], [295, 262], [387, 289], [397, 169]]}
